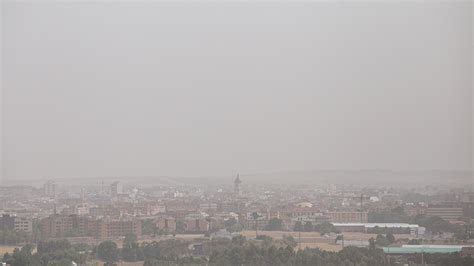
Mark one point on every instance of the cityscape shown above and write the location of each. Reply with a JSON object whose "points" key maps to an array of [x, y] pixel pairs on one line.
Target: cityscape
{"points": [[236, 133], [194, 224]]}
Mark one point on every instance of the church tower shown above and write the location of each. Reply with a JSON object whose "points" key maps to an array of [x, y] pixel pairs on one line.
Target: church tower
{"points": [[237, 183]]}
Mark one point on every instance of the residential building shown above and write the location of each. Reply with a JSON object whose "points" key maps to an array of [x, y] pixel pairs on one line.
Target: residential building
{"points": [[50, 188], [317, 218], [116, 189], [166, 223], [116, 228], [447, 213], [23, 224], [348, 217], [197, 225]]}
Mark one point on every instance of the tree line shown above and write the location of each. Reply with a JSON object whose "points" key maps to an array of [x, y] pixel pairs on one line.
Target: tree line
{"points": [[237, 251]]}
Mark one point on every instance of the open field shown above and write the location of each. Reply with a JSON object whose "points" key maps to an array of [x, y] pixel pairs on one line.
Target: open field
{"points": [[315, 240], [322, 246], [308, 239], [5, 249], [187, 237], [316, 235]]}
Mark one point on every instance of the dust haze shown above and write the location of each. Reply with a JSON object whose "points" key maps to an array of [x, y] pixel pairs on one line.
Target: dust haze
{"points": [[193, 89]]}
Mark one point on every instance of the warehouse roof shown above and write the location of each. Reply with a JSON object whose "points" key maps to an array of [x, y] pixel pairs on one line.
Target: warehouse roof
{"points": [[420, 249], [411, 249], [381, 225]]}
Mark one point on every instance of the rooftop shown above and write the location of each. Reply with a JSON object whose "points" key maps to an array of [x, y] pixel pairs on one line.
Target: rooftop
{"points": [[381, 225]]}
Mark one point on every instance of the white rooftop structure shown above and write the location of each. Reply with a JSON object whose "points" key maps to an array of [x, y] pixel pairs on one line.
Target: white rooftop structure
{"points": [[381, 225]]}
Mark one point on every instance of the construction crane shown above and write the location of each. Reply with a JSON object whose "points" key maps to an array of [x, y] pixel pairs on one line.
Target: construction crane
{"points": [[362, 197]]}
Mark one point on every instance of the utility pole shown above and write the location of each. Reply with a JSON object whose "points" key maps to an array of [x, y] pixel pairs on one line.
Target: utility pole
{"points": [[299, 240], [256, 228], [255, 217], [422, 257], [361, 199]]}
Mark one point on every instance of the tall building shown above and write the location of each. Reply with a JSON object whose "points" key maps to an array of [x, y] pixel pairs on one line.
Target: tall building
{"points": [[49, 188], [116, 189], [237, 183]]}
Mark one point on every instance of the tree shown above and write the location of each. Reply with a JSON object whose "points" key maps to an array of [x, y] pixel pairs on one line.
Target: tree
{"points": [[53, 246], [325, 228], [130, 238], [149, 227], [173, 248], [235, 228], [266, 240], [108, 251], [131, 250], [274, 225], [414, 242], [249, 254], [20, 257], [61, 262], [308, 227], [289, 241], [371, 243], [436, 224], [238, 240], [298, 227], [381, 241], [230, 222], [180, 226], [390, 238]]}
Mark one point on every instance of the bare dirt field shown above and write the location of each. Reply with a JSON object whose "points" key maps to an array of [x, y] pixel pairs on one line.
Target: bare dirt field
{"points": [[315, 240], [316, 235], [5, 249]]}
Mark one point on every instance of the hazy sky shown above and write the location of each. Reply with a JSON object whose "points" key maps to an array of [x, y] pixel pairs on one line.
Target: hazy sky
{"points": [[207, 88]]}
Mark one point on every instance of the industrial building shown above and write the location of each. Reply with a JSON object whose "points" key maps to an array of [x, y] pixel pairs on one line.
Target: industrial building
{"points": [[394, 228], [447, 213], [413, 249]]}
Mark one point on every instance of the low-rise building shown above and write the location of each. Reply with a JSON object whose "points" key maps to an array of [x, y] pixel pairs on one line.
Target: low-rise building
{"points": [[376, 228], [447, 213], [115, 228], [417, 249], [166, 223], [196, 225], [348, 217], [74, 225], [317, 218]]}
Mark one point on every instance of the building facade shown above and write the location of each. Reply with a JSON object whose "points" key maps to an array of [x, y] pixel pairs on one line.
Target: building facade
{"points": [[348, 217], [447, 213]]}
